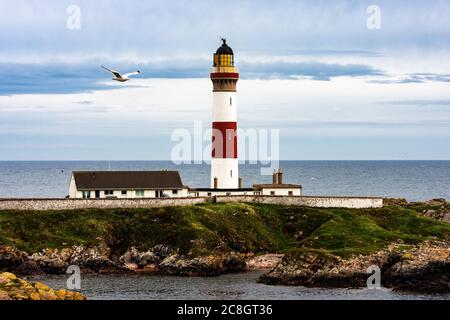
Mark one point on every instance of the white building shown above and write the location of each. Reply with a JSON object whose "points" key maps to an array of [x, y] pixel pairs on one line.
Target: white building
{"points": [[162, 184], [276, 188], [126, 184]]}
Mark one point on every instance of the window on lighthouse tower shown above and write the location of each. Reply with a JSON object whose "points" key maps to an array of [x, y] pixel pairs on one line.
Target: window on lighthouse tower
{"points": [[231, 102]]}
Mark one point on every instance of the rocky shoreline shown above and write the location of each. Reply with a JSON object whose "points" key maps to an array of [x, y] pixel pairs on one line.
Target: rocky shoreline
{"points": [[160, 259], [424, 268], [14, 288]]}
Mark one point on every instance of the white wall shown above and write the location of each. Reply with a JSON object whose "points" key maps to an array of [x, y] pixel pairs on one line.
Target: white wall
{"points": [[221, 169], [131, 194], [73, 188], [220, 193], [281, 192], [222, 111], [311, 201], [64, 204]]}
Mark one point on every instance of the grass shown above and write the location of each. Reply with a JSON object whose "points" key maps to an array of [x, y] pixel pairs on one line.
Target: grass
{"points": [[201, 229]]}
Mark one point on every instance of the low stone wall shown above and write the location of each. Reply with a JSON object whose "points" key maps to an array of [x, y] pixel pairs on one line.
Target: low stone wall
{"points": [[310, 201], [70, 204]]}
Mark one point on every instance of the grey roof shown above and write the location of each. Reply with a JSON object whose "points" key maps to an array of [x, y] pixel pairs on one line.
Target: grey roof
{"points": [[221, 190], [104, 180], [277, 186]]}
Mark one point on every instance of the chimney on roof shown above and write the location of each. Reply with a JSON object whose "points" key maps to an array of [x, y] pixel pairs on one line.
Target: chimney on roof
{"points": [[240, 184], [280, 176], [274, 177], [216, 182]]}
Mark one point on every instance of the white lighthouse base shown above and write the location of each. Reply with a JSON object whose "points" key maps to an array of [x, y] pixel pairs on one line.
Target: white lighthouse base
{"points": [[226, 172]]}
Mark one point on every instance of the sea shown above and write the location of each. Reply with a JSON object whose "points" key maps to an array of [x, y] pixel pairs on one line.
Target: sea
{"points": [[236, 286], [413, 180]]}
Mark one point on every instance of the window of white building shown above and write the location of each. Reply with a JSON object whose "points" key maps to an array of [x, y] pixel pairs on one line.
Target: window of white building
{"points": [[139, 193]]}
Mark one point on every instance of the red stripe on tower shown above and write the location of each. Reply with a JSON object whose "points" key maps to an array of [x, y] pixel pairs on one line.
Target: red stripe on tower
{"points": [[224, 140]]}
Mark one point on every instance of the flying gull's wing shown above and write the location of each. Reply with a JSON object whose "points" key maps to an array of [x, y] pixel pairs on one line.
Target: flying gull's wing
{"points": [[126, 75], [115, 73]]}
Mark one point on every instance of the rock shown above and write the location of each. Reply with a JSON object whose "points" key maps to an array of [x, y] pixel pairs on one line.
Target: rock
{"points": [[11, 258], [89, 259], [14, 288], [421, 268], [210, 265], [162, 251], [438, 201], [300, 270], [132, 256], [434, 277], [394, 202], [95, 259], [234, 262], [441, 215], [29, 267], [4, 295], [145, 261], [53, 261], [262, 262], [149, 258]]}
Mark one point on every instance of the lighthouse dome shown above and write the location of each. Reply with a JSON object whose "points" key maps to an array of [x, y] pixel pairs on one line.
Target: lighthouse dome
{"points": [[224, 48]]}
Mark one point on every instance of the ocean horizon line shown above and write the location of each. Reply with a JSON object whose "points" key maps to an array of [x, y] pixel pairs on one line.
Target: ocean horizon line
{"points": [[207, 161]]}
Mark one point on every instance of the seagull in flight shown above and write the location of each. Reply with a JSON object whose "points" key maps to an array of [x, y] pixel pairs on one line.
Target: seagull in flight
{"points": [[121, 77]]}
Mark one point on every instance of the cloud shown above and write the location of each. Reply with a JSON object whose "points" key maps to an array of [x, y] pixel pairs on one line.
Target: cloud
{"points": [[87, 77], [414, 78], [84, 102], [420, 103], [313, 70], [54, 78], [179, 26]]}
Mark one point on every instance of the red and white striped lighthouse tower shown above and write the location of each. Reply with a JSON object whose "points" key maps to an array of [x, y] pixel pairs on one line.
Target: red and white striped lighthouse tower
{"points": [[224, 162]]}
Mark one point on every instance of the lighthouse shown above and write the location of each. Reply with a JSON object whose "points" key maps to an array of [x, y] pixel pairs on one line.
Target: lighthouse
{"points": [[224, 162]]}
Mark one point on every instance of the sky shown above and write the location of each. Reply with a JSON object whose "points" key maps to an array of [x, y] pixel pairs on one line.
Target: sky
{"points": [[317, 71]]}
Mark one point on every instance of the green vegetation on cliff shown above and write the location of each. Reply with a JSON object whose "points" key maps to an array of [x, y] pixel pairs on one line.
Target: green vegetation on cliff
{"points": [[201, 229]]}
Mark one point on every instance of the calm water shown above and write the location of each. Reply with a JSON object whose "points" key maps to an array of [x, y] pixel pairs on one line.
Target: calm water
{"points": [[414, 180], [230, 286]]}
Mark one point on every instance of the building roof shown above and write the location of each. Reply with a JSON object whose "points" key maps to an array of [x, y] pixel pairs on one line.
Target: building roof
{"points": [[104, 180], [277, 186], [224, 48], [221, 190]]}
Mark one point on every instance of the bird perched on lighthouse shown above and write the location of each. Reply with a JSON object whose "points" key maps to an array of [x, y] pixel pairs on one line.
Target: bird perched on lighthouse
{"points": [[224, 162], [121, 77]]}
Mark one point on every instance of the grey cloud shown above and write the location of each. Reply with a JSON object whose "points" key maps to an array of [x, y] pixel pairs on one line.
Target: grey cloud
{"points": [[421, 103], [415, 78], [87, 76], [313, 70], [84, 102]]}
